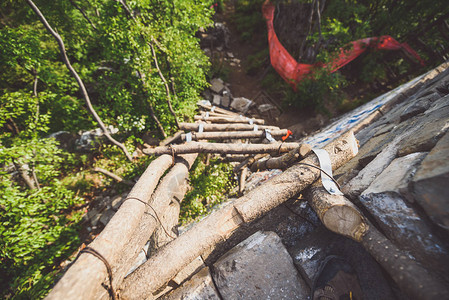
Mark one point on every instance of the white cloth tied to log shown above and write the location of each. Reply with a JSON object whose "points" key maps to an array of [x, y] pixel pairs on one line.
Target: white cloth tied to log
{"points": [[188, 136], [201, 127], [256, 128], [212, 109], [268, 136], [326, 165]]}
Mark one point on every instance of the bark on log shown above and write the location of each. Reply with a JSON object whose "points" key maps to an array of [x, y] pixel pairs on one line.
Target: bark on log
{"points": [[242, 180], [224, 127], [283, 161], [171, 139], [229, 120], [218, 110], [83, 280], [337, 213], [222, 148], [249, 161], [220, 135], [219, 225], [173, 185], [411, 277]]}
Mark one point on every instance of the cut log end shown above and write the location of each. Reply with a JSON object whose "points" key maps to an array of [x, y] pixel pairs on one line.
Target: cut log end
{"points": [[346, 221]]}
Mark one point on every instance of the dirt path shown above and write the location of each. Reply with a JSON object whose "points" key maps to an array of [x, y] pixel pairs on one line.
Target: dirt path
{"points": [[300, 121]]}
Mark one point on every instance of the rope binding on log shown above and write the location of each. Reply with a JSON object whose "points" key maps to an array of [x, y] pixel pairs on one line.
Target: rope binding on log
{"points": [[97, 254]]}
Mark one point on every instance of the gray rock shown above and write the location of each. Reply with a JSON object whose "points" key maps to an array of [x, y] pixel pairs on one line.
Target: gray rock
{"points": [[396, 177], [426, 130], [367, 175], [217, 85], [200, 287], [225, 100], [90, 140], [311, 251], [419, 106], [241, 104], [259, 268], [402, 224], [216, 100], [66, 139], [430, 183], [106, 216]]}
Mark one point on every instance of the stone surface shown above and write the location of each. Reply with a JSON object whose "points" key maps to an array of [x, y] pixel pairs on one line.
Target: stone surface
{"points": [[216, 100], [419, 106], [259, 268], [200, 287], [310, 252], [367, 175], [430, 183], [427, 129], [396, 177], [217, 85], [402, 224], [225, 100], [106, 216], [241, 104]]}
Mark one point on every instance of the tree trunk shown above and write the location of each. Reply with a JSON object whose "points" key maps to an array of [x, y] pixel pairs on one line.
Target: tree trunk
{"points": [[224, 127], [221, 148], [207, 233], [83, 280], [244, 120], [283, 161], [219, 135]]}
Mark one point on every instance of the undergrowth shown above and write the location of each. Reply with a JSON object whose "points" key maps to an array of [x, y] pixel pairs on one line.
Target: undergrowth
{"points": [[210, 185]]}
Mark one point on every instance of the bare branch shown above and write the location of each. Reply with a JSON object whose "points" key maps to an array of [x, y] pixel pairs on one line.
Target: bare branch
{"points": [[167, 89], [113, 176], [78, 79], [83, 13]]}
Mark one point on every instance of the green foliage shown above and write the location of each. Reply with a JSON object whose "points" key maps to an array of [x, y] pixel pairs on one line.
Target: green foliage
{"points": [[210, 185], [38, 231], [316, 91], [109, 50]]}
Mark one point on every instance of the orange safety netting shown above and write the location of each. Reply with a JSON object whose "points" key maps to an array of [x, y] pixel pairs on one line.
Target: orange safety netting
{"points": [[293, 72]]}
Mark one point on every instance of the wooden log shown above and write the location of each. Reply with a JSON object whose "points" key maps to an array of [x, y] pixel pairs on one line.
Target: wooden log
{"points": [[248, 161], [222, 148], [220, 135], [172, 186], [242, 180], [224, 127], [85, 277], [171, 139], [207, 233], [244, 120], [218, 110], [283, 161], [339, 215], [235, 158]]}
